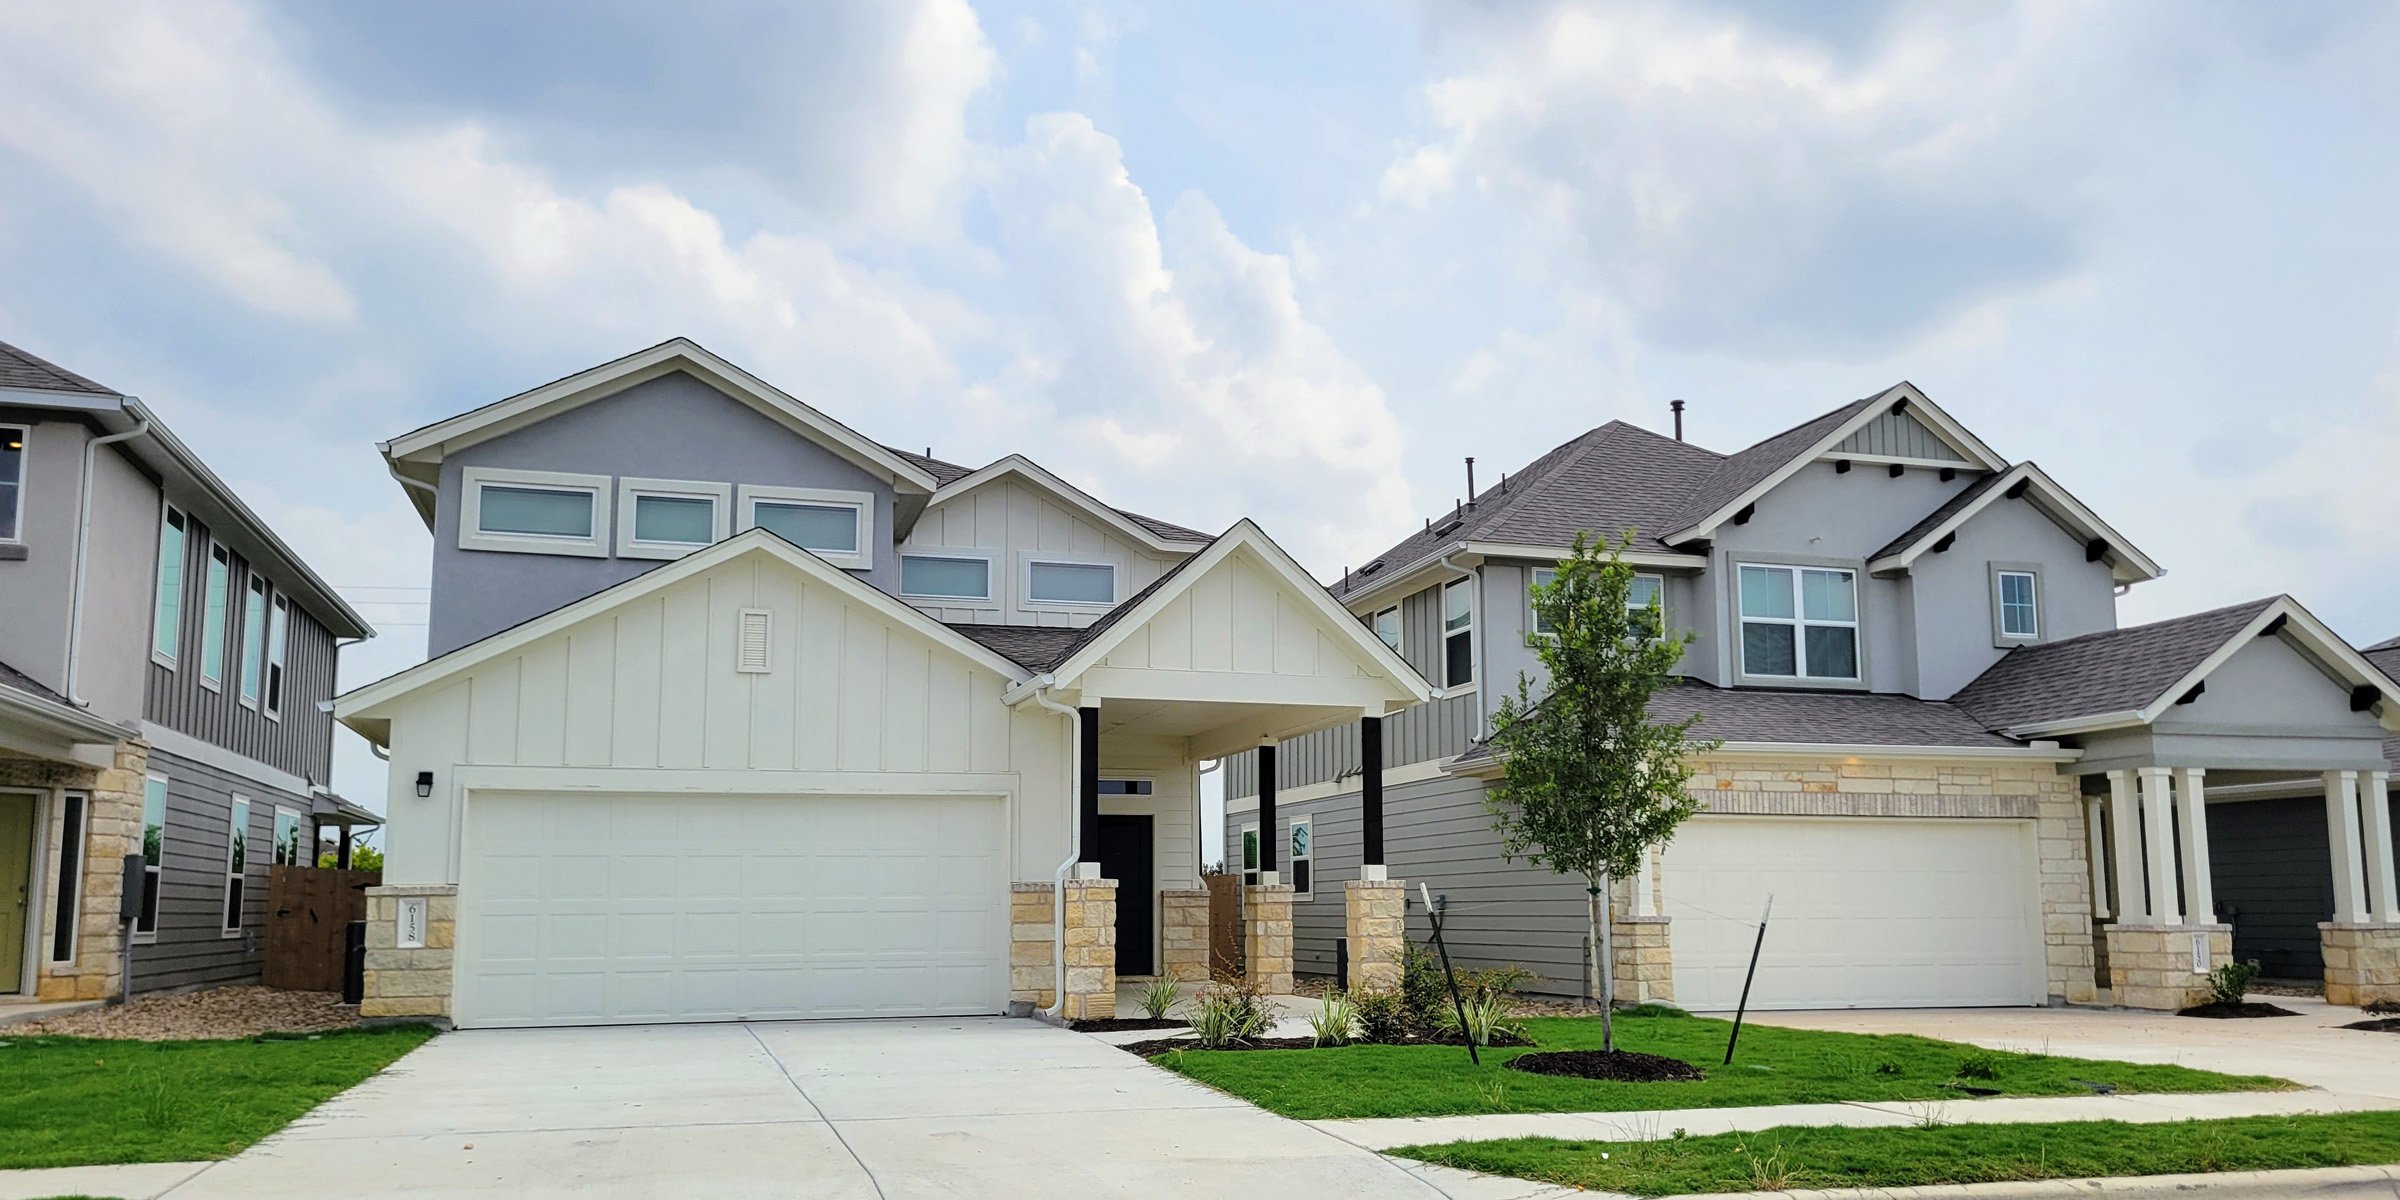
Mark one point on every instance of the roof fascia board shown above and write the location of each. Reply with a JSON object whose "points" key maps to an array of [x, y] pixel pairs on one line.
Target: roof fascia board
{"points": [[49, 398], [2075, 725], [359, 705], [1949, 429], [2048, 493], [1639, 558], [1033, 472], [66, 724], [2071, 512]]}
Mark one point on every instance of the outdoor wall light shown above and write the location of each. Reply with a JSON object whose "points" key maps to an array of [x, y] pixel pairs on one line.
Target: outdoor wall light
{"points": [[424, 784]]}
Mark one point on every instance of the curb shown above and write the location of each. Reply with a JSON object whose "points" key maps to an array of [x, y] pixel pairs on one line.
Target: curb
{"points": [[2383, 1182]]}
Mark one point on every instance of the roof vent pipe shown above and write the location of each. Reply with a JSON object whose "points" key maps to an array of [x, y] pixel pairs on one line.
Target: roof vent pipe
{"points": [[1677, 405], [1470, 479]]}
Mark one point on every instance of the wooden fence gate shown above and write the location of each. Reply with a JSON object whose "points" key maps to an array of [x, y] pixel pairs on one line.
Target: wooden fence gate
{"points": [[309, 909]]}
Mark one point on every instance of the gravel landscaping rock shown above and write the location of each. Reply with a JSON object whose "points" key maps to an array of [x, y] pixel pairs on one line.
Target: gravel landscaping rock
{"points": [[228, 1012]]}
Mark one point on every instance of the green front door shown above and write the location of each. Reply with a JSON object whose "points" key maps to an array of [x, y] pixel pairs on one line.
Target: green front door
{"points": [[16, 887]]}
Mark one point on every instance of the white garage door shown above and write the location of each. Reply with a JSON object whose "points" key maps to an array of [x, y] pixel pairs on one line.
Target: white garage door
{"points": [[580, 909], [1868, 913]]}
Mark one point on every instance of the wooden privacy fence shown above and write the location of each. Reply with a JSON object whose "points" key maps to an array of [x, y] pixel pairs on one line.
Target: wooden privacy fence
{"points": [[309, 910]]}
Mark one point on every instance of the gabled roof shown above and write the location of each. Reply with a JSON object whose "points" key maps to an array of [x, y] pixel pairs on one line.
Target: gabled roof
{"points": [[2029, 482], [1162, 536], [2127, 677], [21, 370], [27, 707]]}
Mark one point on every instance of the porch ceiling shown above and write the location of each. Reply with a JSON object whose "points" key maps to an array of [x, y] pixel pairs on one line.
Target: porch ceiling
{"points": [[1214, 729]]}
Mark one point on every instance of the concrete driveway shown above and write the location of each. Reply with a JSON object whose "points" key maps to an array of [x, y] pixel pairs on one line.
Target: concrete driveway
{"points": [[982, 1107]]}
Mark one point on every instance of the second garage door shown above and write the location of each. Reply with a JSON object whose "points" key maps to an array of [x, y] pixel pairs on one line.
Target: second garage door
{"points": [[580, 909], [1868, 913]]}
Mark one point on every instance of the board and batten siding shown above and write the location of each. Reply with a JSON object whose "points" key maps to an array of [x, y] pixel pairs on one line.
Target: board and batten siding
{"points": [[300, 739], [1009, 516], [192, 949], [650, 686]]}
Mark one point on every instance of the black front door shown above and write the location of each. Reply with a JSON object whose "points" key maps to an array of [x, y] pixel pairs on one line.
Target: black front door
{"points": [[1125, 857]]}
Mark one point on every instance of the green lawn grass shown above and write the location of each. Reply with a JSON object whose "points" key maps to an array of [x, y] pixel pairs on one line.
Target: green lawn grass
{"points": [[1774, 1066], [1832, 1157], [71, 1102]]}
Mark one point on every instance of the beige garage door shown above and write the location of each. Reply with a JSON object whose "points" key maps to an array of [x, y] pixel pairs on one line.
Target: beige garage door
{"points": [[1868, 913], [580, 909]]}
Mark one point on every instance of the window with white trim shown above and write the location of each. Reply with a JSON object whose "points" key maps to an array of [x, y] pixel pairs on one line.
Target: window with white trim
{"points": [[1799, 622], [1052, 581], [1249, 854], [669, 518], [1303, 860], [946, 576], [254, 639], [213, 603], [154, 850], [1645, 592], [237, 863], [837, 526], [166, 634], [12, 483], [278, 643], [1458, 633], [533, 512], [287, 838], [1387, 627], [67, 912], [2016, 594]]}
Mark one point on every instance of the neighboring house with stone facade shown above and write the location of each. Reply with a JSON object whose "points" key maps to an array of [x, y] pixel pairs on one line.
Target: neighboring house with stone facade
{"points": [[734, 712], [1932, 728], [164, 659]]}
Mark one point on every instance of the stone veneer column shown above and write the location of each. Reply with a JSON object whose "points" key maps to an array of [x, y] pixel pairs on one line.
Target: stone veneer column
{"points": [[1184, 932], [1032, 978], [2150, 966], [2362, 961], [112, 828], [1267, 936], [1376, 922], [1645, 963], [1091, 950], [415, 981]]}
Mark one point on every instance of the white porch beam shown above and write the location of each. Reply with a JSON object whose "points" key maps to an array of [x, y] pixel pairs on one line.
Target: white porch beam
{"points": [[2349, 858], [2158, 844], [2096, 856], [2383, 875], [2125, 829], [2191, 813]]}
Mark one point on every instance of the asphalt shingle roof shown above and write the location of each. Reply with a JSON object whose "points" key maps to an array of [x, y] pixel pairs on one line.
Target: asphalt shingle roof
{"points": [[2114, 671], [1750, 467], [12, 677], [1933, 520], [1041, 648], [21, 370], [1805, 717]]}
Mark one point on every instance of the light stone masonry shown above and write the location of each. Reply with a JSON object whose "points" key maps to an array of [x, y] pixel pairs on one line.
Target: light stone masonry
{"points": [[2150, 966], [1645, 963], [112, 829], [1184, 928], [2362, 962], [1091, 947], [1267, 935], [1032, 978], [1376, 914], [413, 982]]}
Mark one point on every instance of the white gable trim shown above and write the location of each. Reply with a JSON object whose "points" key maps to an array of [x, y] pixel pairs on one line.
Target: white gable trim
{"points": [[429, 444], [1980, 457], [2054, 502], [1033, 472], [360, 706]]}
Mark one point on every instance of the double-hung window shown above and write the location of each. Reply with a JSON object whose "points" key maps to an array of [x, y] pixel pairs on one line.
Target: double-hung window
{"points": [[287, 838], [533, 512], [1648, 594], [669, 518], [278, 638], [952, 576], [1085, 585], [837, 526], [167, 622], [237, 856], [1799, 622], [1458, 633], [213, 602], [2016, 606], [12, 483], [254, 639], [1303, 860], [154, 849], [1387, 627]]}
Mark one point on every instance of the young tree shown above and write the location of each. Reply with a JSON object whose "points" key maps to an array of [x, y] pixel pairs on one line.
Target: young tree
{"points": [[1591, 781]]}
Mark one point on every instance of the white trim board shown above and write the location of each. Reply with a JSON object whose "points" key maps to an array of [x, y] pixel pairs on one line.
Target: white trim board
{"points": [[2049, 499], [1416, 772], [1034, 473], [185, 746]]}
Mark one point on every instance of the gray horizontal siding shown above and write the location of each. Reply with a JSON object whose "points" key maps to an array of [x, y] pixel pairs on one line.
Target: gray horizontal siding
{"points": [[192, 950], [1437, 729]]}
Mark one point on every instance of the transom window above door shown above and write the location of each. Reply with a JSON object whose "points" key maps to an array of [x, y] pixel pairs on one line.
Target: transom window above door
{"points": [[1799, 622], [837, 526], [669, 518]]}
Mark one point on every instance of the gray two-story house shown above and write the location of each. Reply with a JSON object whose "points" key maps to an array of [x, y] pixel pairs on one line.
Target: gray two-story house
{"points": [[1932, 730], [164, 663]]}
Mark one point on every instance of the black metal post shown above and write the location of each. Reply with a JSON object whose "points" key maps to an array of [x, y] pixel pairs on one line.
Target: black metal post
{"points": [[1370, 788], [1266, 808], [1743, 1006], [1087, 753], [341, 857], [354, 962], [1433, 914]]}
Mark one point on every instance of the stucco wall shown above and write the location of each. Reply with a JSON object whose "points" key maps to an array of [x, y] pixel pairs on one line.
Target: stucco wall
{"points": [[36, 592], [1954, 593]]}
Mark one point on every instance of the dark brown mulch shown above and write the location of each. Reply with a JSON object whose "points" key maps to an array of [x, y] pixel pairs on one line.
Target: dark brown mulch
{"points": [[1162, 1045], [1123, 1024], [2380, 1025], [1623, 1066], [2246, 1009]]}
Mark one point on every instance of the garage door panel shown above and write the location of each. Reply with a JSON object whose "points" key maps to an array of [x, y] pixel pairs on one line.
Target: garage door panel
{"points": [[584, 909]]}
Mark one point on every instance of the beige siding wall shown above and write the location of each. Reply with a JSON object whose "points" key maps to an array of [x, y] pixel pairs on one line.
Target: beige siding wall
{"points": [[1175, 783], [1010, 518]]}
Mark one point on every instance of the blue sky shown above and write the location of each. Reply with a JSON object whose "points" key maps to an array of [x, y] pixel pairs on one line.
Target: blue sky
{"points": [[1287, 261]]}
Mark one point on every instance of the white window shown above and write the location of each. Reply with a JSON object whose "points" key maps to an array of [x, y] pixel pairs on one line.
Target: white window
{"points": [[669, 518], [254, 639], [154, 850], [1458, 633], [213, 603], [946, 575], [73, 807], [2017, 595], [836, 526], [1302, 861], [278, 641], [12, 483], [1387, 627], [237, 863], [533, 512], [167, 625], [1799, 622], [1072, 584], [287, 838], [1647, 592], [1249, 854]]}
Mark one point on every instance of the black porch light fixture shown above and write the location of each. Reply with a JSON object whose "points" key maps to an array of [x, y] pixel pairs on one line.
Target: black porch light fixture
{"points": [[424, 784]]}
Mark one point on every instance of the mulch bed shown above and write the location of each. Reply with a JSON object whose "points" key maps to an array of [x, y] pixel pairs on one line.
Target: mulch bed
{"points": [[2244, 1009], [1123, 1024], [2382, 1025], [1622, 1066]]}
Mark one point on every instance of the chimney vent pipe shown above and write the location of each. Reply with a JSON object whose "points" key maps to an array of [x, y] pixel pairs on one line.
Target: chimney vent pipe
{"points": [[1677, 405]]}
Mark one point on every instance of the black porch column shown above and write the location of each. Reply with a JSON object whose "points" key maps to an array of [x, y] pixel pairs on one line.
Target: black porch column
{"points": [[341, 857], [1266, 811], [1087, 774], [1370, 788]]}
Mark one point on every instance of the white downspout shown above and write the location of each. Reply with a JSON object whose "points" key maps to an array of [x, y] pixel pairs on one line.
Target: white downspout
{"points": [[83, 538], [1058, 878]]}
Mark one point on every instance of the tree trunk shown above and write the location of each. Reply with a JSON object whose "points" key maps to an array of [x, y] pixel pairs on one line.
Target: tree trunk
{"points": [[1604, 960]]}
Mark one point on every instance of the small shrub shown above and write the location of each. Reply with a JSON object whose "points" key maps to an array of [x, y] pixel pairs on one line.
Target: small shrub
{"points": [[1382, 1015], [1214, 1022], [1158, 998], [1231, 1008], [1491, 981], [1983, 1064], [1486, 1015], [1422, 991], [2230, 984], [1334, 1022]]}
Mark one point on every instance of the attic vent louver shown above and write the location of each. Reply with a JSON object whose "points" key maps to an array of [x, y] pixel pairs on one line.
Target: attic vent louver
{"points": [[1371, 568], [1447, 527], [752, 643]]}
